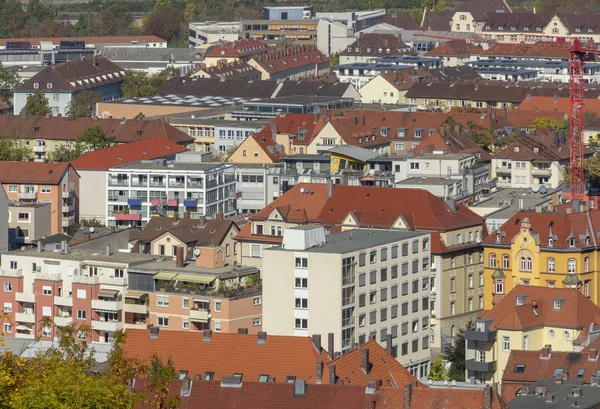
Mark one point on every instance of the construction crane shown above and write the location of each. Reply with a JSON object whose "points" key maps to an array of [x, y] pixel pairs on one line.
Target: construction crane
{"points": [[578, 54]]}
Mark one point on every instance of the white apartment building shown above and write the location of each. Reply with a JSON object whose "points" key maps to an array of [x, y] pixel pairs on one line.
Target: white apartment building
{"points": [[170, 188], [213, 32], [359, 284]]}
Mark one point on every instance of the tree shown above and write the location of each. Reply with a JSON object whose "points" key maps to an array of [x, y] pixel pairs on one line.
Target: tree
{"points": [[438, 371], [95, 138], [455, 353], [157, 394], [546, 122], [116, 20], [416, 14], [13, 148], [83, 104], [589, 117], [138, 84], [8, 81], [64, 153], [165, 22], [283, 43], [37, 104], [223, 156], [440, 6]]}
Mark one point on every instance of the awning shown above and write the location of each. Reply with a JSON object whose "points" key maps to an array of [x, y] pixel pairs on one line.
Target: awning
{"points": [[108, 293], [22, 328], [134, 294], [164, 276], [193, 278]]}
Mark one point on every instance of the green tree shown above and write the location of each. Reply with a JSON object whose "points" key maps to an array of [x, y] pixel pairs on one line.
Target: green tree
{"points": [[137, 84], [440, 6], [438, 371], [162, 3], [455, 353], [37, 104], [546, 122], [11, 12], [64, 153], [8, 81], [95, 138], [157, 394], [116, 20], [13, 148], [416, 14], [283, 43], [83, 104], [589, 117]]}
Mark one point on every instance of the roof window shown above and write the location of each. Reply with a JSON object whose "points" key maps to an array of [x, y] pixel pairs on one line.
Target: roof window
{"points": [[520, 368]]}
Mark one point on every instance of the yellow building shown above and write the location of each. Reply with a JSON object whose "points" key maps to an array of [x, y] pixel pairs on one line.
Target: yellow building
{"points": [[591, 132], [552, 249], [528, 318], [349, 158]]}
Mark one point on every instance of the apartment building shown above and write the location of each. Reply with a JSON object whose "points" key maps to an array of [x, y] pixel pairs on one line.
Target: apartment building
{"points": [[259, 183], [299, 31], [72, 286], [235, 51], [212, 32], [168, 188], [28, 222], [556, 318], [292, 63], [355, 284], [368, 47], [391, 87], [38, 182]]}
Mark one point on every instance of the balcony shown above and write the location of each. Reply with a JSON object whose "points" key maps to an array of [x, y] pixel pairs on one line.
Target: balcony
{"points": [[110, 326], [12, 273], [195, 183], [541, 172], [128, 216], [68, 221], [107, 305], [25, 335], [472, 365], [68, 193], [136, 308], [28, 195], [25, 297], [481, 336], [86, 280], [63, 321], [176, 183], [39, 149], [504, 170], [199, 315], [118, 281], [118, 182], [63, 301], [28, 317], [139, 182], [158, 183], [70, 208]]}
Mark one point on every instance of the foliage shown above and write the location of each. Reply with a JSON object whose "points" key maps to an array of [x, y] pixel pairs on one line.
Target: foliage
{"points": [[37, 104], [440, 6], [138, 84], [66, 153], [116, 20], [95, 138], [224, 156], [546, 122], [334, 59], [157, 392], [84, 103], [591, 169], [589, 117], [455, 354], [416, 14], [8, 81], [438, 371], [13, 148], [283, 43], [165, 22], [91, 223]]}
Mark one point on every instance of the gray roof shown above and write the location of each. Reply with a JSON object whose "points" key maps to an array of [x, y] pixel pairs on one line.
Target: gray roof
{"points": [[215, 87], [171, 166], [319, 157], [184, 101], [353, 152], [357, 239], [84, 255], [421, 181], [589, 398], [166, 55]]}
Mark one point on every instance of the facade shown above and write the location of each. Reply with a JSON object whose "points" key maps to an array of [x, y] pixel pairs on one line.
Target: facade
{"points": [[235, 51], [213, 32], [299, 31], [356, 20], [555, 318], [549, 249], [152, 61], [137, 191], [287, 13], [391, 87], [236, 69], [592, 133], [259, 185], [28, 222], [313, 285], [36, 182], [368, 47], [61, 82], [333, 36]]}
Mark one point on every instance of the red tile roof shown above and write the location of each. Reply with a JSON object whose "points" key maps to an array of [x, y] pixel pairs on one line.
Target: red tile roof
{"points": [[577, 311], [291, 58], [454, 398], [450, 141], [68, 129], [403, 80], [526, 50], [403, 22], [455, 48], [536, 146], [33, 172], [246, 47], [146, 149], [88, 40], [562, 104], [376, 44], [264, 139], [234, 70], [560, 226]]}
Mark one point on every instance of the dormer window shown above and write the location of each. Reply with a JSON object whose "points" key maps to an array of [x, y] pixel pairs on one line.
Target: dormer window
{"points": [[536, 150], [516, 149], [572, 242], [498, 238], [49, 85], [520, 300], [550, 242], [36, 85], [557, 304], [349, 49]]}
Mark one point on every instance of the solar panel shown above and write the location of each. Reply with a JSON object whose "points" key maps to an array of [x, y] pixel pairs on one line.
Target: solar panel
{"points": [[18, 45], [72, 44]]}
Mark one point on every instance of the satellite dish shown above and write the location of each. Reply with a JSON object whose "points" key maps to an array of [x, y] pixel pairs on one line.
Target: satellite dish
{"points": [[543, 188], [301, 190], [196, 252], [306, 190], [92, 230], [535, 188]]}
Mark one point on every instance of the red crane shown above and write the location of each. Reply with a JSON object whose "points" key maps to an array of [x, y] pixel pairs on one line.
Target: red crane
{"points": [[578, 54]]}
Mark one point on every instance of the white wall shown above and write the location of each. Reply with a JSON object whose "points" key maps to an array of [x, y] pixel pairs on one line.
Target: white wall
{"points": [[92, 195]]}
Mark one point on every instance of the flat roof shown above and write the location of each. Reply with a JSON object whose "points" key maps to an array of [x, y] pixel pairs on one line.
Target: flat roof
{"points": [[441, 156], [418, 180], [84, 255], [357, 239], [150, 165], [168, 265], [12, 203], [184, 101]]}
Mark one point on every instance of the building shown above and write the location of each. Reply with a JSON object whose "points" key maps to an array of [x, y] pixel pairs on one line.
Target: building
{"points": [[61, 82], [139, 190], [592, 132], [313, 284], [55, 50], [528, 317], [549, 393], [287, 13], [356, 20], [45, 134], [28, 222], [153, 61], [55, 183], [299, 31], [368, 47], [550, 249], [237, 69], [473, 14], [93, 168], [212, 32], [5, 241], [535, 159], [378, 90], [240, 50], [292, 63], [455, 53], [333, 36]]}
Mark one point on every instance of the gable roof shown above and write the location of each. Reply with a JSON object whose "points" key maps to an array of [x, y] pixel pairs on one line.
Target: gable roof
{"points": [[301, 204], [577, 311], [479, 9], [454, 48], [237, 69], [317, 86], [470, 91], [202, 231], [437, 21], [375, 44], [69, 128], [525, 50], [71, 76], [245, 47], [450, 141], [460, 73], [403, 22], [535, 22], [404, 79], [146, 149], [561, 104], [289, 59], [264, 139], [33, 172], [538, 146]]}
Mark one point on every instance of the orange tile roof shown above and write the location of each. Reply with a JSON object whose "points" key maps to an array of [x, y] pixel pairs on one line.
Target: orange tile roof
{"points": [[146, 149], [403, 80], [296, 206], [577, 311], [294, 57], [450, 141], [524, 148], [442, 398], [562, 104], [245, 47], [33, 172], [454, 48], [525, 50]]}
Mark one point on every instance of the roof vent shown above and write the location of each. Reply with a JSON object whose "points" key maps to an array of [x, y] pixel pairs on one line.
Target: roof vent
{"points": [[231, 382]]}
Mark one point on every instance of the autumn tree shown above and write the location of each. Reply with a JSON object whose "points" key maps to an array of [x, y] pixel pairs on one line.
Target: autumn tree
{"points": [[37, 104], [83, 104], [13, 148], [156, 394], [165, 22], [546, 122], [116, 20], [95, 138], [138, 84]]}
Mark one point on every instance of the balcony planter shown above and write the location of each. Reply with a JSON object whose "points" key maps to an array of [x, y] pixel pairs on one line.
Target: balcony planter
{"points": [[128, 216], [155, 202]]}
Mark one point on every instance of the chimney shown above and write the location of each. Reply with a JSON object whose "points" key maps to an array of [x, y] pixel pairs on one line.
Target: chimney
{"points": [[363, 119], [40, 246], [366, 365], [556, 138], [107, 250], [487, 397], [316, 341], [242, 330], [179, 261], [523, 133], [330, 347], [592, 354], [563, 137], [388, 344], [407, 396], [550, 398], [319, 372], [546, 352], [332, 375], [329, 187], [206, 335], [94, 60], [202, 220], [262, 338]]}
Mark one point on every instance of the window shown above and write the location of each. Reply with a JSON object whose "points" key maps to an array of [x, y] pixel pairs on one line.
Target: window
{"points": [[394, 310], [415, 266], [7, 307], [373, 277], [46, 311], [301, 282], [480, 279], [404, 309], [404, 269], [118, 272], [551, 333], [452, 308], [415, 305], [362, 279], [505, 261], [7, 328], [383, 254], [47, 290], [301, 303], [383, 294], [394, 271], [415, 345], [13, 188], [217, 306], [185, 323], [551, 265], [162, 301], [519, 368], [255, 249], [373, 256], [301, 262], [566, 335], [46, 331], [470, 280], [452, 284], [301, 323], [499, 286], [394, 251], [372, 297], [81, 294], [185, 303], [526, 342], [383, 315], [256, 301], [571, 266], [586, 288], [162, 321], [586, 264], [7, 287], [362, 300], [525, 263], [81, 314], [405, 288], [256, 321], [492, 260], [362, 259], [506, 344], [13, 265]]}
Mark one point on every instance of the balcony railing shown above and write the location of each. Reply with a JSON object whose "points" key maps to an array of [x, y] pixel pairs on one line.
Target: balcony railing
{"points": [[28, 195], [12, 273], [61, 321], [199, 315], [199, 183], [128, 216], [110, 326], [541, 172], [68, 208], [139, 183], [136, 308], [481, 336], [68, 221], [473, 365], [86, 280], [107, 305], [503, 169], [175, 183], [68, 193], [158, 183], [232, 293], [28, 317], [25, 297], [119, 281], [118, 182], [39, 148], [63, 301]]}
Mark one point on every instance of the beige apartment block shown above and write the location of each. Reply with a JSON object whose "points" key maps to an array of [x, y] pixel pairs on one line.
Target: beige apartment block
{"points": [[360, 285], [28, 222]]}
